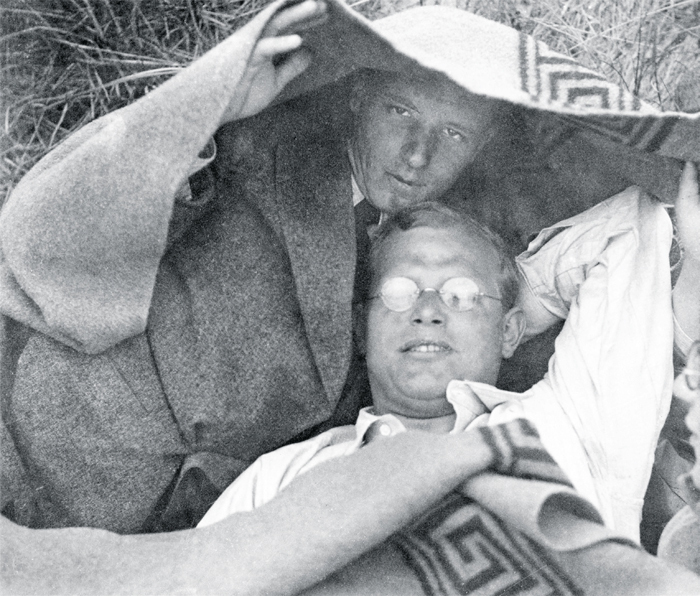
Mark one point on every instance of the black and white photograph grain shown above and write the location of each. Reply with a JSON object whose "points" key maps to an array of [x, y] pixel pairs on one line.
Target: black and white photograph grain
{"points": [[350, 297]]}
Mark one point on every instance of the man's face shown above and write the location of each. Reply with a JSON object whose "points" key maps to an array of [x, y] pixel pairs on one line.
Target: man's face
{"points": [[413, 355], [413, 138]]}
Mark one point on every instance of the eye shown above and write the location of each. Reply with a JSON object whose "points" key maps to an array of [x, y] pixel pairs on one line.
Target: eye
{"points": [[460, 293], [398, 110], [454, 134]]}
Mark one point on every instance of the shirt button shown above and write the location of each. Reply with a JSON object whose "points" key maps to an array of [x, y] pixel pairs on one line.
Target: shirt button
{"points": [[385, 430]]}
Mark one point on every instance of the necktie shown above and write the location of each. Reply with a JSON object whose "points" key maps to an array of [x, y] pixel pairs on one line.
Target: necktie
{"points": [[366, 215]]}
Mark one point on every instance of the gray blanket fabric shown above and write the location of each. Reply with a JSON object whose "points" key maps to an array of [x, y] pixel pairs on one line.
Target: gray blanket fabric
{"points": [[493, 60]]}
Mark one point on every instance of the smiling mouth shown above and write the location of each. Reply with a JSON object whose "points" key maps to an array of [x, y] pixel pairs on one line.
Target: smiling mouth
{"points": [[425, 347], [404, 181]]}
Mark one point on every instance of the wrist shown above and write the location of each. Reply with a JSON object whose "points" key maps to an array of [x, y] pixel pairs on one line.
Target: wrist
{"points": [[516, 450]]}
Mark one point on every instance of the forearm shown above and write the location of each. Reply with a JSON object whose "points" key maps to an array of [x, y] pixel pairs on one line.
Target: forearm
{"points": [[323, 521], [686, 293], [537, 318], [686, 299], [344, 508], [686, 303], [613, 568], [557, 264]]}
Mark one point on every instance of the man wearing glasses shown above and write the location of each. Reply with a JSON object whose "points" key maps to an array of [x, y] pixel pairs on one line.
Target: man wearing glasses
{"points": [[205, 327], [446, 307]]}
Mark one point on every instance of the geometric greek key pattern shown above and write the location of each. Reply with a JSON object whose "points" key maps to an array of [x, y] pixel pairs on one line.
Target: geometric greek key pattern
{"points": [[518, 451], [646, 133], [553, 78], [460, 548]]}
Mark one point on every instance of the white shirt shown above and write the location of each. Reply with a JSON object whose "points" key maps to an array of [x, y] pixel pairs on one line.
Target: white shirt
{"points": [[600, 409]]}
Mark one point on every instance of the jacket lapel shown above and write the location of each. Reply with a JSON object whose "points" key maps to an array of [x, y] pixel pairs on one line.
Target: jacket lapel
{"points": [[315, 200]]}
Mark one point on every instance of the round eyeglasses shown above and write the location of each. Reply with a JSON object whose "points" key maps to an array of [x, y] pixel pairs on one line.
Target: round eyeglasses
{"points": [[459, 293]]}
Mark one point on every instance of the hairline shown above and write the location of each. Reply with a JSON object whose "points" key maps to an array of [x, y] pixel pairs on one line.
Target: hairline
{"points": [[364, 77], [437, 216]]}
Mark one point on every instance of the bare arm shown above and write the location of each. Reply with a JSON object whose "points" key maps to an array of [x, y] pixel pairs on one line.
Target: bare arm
{"points": [[326, 519], [602, 569]]}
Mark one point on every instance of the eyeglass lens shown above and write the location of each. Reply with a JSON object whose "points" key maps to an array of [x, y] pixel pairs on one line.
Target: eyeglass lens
{"points": [[401, 293]]}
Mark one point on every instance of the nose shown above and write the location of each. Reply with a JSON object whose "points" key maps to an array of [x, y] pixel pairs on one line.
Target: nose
{"points": [[429, 309], [418, 148]]}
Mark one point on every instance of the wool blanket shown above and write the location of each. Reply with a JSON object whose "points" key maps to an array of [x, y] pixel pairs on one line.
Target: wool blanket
{"points": [[496, 61], [458, 546]]}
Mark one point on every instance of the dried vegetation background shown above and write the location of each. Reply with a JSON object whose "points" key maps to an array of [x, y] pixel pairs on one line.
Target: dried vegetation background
{"points": [[66, 62]]}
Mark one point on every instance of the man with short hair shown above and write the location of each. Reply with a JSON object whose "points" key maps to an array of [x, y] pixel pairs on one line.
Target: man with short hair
{"points": [[177, 331], [414, 136], [442, 315]]}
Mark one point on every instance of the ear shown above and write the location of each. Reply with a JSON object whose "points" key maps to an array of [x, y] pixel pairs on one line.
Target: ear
{"points": [[513, 331], [360, 332]]}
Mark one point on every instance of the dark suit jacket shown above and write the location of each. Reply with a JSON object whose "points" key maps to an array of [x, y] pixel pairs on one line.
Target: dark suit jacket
{"points": [[247, 341]]}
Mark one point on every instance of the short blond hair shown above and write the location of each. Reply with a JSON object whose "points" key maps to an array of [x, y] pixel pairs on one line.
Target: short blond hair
{"points": [[440, 217]]}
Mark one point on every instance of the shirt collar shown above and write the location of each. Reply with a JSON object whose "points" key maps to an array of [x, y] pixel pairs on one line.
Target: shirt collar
{"points": [[469, 399], [387, 425], [357, 196]]}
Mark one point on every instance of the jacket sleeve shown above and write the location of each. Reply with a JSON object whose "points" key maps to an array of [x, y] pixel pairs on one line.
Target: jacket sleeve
{"points": [[82, 235]]}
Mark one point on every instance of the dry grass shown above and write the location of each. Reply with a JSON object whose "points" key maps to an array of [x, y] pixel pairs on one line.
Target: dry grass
{"points": [[66, 62], [647, 45]]}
